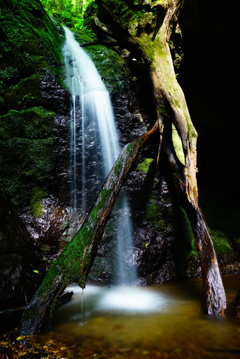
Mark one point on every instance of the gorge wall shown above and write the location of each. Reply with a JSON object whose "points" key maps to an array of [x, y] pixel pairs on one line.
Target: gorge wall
{"points": [[208, 77], [34, 146]]}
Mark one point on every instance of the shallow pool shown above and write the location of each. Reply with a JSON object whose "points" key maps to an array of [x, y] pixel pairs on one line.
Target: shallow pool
{"points": [[154, 322]]}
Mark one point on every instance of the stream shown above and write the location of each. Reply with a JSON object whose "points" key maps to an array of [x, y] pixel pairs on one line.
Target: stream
{"points": [[163, 321]]}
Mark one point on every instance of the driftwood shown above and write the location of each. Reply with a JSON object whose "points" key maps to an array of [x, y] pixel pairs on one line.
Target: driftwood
{"points": [[74, 263]]}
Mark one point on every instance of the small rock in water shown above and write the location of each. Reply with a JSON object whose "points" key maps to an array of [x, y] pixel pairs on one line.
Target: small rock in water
{"points": [[123, 350]]}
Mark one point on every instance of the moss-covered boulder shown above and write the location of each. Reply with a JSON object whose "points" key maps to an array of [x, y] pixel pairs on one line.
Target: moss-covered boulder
{"points": [[30, 55]]}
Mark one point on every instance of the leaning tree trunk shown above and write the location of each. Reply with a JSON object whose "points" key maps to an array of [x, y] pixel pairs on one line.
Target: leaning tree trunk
{"points": [[74, 263], [154, 54], [165, 83], [214, 298]]}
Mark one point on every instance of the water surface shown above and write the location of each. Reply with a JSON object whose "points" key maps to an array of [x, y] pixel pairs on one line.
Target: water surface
{"points": [[155, 322]]}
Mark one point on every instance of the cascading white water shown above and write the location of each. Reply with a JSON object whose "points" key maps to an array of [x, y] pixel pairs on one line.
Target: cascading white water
{"points": [[94, 145]]}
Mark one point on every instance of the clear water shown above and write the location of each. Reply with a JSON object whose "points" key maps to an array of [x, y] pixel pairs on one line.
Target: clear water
{"points": [[94, 147], [155, 322]]}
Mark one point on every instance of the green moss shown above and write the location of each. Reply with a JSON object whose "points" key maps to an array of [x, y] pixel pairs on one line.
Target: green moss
{"points": [[8, 73], [36, 206], [94, 213], [129, 147], [221, 243], [188, 247], [32, 123], [111, 66], [29, 44], [26, 140], [177, 143], [145, 165], [75, 255], [132, 146], [30, 49], [151, 211], [159, 2], [222, 218], [102, 199], [153, 214], [118, 167]]}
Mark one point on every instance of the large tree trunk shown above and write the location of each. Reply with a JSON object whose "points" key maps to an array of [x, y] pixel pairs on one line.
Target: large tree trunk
{"points": [[74, 263], [213, 296], [165, 83], [154, 53]]}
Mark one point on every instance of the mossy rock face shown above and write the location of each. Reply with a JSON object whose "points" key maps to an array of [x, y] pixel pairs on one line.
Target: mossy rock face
{"points": [[26, 93], [30, 46], [32, 123], [112, 68], [30, 53], [26, 139]]}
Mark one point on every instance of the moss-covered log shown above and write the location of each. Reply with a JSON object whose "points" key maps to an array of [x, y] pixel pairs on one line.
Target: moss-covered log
{"points": [[74, 263]]}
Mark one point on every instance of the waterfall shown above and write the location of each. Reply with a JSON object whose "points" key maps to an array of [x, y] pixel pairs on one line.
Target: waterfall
{"points": [[94, 146]]}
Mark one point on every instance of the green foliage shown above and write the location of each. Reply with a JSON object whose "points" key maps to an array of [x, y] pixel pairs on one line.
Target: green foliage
{"points": [[7, 4], [68, 12], [28, 32], [8, 73]]}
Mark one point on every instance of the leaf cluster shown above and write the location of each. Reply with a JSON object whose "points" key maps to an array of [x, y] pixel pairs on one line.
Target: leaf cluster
{"points": [[68, 12]]}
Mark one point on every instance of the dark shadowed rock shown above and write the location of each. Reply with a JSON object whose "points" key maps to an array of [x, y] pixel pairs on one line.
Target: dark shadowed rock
{"points": [[21, 268]]}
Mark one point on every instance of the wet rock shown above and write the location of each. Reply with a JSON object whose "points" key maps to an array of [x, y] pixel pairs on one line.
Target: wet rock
{"points": [[21, 268], [193, 268]]}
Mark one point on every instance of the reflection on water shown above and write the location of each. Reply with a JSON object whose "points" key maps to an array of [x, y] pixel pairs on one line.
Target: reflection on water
{"points": [[156, 322]]}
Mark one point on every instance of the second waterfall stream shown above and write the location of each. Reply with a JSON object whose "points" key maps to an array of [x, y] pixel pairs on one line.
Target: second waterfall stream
{"points": [[94, 147]]}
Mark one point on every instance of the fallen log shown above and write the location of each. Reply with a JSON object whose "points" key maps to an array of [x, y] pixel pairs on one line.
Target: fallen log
{"points": [[75, 262]]}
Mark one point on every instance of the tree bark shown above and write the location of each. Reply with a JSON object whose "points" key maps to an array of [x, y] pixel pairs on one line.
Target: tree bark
{"points": [[74, 263], [154, 53], [213, 295]]}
